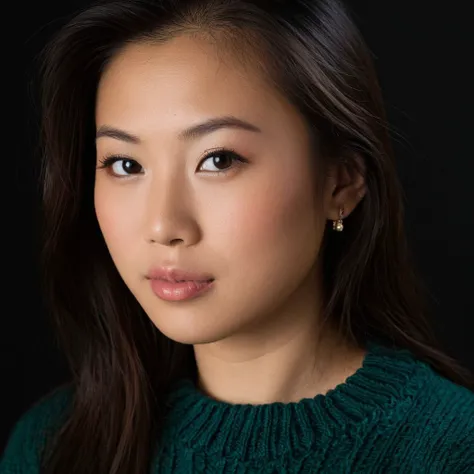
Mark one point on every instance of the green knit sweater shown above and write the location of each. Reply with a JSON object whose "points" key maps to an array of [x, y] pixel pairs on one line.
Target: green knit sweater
{"points": [[394, 415]]}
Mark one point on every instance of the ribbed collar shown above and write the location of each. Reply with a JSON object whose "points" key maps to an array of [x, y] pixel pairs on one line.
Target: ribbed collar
{"points": [[197, 422]]}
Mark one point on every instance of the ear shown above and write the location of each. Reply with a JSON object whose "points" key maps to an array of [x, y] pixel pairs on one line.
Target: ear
{"points": [[345, 187]]}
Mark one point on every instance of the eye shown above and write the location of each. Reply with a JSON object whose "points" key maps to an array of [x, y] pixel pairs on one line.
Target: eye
{"points": [[222, 161], [121, 166]]}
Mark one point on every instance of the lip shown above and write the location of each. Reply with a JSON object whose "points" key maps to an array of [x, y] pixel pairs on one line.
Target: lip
{"points": [[174, 275], [186, 290]]}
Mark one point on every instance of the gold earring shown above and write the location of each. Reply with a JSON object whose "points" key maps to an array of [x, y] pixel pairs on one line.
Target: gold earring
{"points": [[338, 225]]}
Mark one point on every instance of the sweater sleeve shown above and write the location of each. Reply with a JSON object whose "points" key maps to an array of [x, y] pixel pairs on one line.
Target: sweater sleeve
{"points": [[28, 436]]}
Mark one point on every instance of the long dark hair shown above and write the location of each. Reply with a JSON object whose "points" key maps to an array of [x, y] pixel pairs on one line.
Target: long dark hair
{"points": [[122, 366]]}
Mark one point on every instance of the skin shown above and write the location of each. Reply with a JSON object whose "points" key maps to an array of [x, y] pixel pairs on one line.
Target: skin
{"points": [[257, 229]]}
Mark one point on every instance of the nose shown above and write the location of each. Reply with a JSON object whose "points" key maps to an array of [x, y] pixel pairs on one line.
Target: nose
{"points": [[170, 216]]}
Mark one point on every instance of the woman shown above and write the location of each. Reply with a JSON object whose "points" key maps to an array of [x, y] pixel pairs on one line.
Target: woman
{"points": [[258, 317]]}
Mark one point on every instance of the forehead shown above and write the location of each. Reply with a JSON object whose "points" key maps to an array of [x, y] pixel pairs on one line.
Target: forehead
{"points": [[182, 77]]}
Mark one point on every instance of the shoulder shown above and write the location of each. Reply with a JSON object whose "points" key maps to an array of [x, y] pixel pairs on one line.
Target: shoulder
{"points": [[440, 417], [29, 434], [446, 400]]}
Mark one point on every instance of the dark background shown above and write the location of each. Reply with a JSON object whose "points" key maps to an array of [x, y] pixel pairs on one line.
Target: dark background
{"points": [[422, 53]]}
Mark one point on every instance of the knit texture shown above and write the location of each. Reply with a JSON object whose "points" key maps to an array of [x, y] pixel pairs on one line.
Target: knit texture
{"points": [[393, 415]]}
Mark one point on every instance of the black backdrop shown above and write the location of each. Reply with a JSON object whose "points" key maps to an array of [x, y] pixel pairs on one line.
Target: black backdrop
{"points": [[422, 52]]}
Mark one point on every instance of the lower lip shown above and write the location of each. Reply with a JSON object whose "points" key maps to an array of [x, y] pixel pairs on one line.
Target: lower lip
{"points": [[179, 291]]}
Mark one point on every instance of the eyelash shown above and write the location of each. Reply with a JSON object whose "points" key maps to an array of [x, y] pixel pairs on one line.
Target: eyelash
{"points": [[109, 160]]}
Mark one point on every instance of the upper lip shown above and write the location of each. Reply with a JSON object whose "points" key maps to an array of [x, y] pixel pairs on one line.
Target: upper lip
{"points": [[176, 274]]}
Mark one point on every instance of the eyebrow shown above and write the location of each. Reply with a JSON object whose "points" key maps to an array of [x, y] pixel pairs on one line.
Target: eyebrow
{"points": [[191, 133]]}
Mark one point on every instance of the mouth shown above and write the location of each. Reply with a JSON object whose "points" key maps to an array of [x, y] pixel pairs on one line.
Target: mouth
{"points": [[177, 275], [183, 281], [180, 290]]}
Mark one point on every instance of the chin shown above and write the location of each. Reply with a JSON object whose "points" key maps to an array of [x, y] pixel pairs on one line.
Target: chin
{"points": [[191, 339], [187, 330]]}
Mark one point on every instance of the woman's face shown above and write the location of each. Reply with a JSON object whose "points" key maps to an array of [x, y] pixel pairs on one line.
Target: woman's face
{"points": [[256, 229]]}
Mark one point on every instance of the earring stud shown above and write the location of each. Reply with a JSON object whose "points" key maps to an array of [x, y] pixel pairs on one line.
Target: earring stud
{"points": [[338, 224]]}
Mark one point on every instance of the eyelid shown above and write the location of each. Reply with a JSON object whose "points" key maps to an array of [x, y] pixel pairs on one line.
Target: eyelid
{"points": [[110, 159], [238, 159]]}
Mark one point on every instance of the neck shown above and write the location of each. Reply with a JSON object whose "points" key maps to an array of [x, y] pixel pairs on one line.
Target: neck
{"points": [[301, 365], [219, 430]]}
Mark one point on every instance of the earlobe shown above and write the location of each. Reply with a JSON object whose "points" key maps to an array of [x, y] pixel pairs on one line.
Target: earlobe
{"points": [[346, 187], [346, 199]]}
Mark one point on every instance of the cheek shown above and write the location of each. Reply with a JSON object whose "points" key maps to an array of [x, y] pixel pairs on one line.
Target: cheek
{"points": [[278, 226], [115, 215]]}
